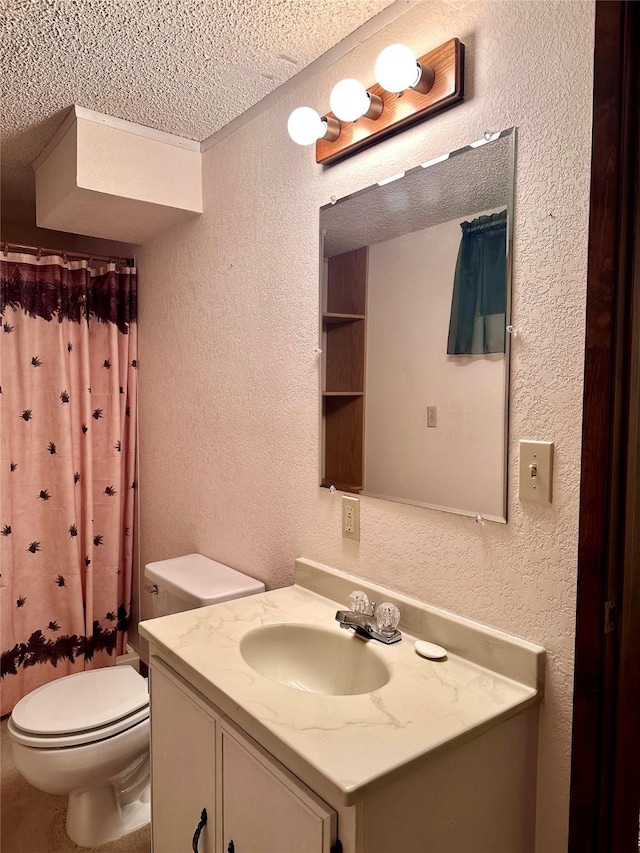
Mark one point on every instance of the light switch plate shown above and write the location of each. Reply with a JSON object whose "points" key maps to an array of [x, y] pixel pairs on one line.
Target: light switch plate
{"points": [[536, 471]]}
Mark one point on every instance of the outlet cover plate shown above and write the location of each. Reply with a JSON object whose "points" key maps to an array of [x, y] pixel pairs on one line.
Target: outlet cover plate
{"points": [[351, 518], [536, 471]]}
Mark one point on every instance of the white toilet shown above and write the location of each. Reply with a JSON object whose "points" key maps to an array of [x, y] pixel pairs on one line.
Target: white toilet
{"points": [[87, 734]]}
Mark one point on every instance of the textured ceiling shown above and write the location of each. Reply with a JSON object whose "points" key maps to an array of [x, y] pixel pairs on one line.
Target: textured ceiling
{"points": [[183, 66], [474, 180]]}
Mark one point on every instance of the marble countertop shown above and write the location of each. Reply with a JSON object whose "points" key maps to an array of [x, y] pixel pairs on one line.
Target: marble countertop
{"points": [[346, 747]]}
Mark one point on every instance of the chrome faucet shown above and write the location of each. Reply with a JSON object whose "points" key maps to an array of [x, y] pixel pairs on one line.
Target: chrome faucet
{"points": [[371, 622]]}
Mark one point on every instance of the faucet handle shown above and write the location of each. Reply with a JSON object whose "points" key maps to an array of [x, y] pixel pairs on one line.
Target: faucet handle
{"points": [[359, 602], [387, 617]]}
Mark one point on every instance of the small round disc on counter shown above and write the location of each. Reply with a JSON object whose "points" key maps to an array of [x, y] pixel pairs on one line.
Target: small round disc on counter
{"points": [[430, 650]]}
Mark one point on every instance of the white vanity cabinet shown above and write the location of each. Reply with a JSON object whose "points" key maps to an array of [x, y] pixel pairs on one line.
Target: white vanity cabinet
{"points": [[441, 758], [264, 808], [199, 760], [183, 763], [478, 798]]}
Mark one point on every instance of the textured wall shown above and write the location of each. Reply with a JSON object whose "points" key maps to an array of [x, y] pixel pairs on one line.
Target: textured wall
{"points": [[229, 422]]}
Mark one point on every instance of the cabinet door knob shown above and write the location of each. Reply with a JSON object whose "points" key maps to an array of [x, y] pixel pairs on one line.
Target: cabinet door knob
{"points": [[231, 848], [199, 828]]}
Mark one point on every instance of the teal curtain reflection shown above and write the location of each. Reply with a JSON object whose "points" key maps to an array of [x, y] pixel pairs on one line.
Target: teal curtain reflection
{"points": [[478, 308]]}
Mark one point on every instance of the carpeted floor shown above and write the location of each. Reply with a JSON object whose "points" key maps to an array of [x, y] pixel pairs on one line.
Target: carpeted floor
{"points": [[33, 822]]}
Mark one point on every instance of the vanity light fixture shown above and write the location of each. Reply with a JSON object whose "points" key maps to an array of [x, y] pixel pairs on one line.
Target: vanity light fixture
{"points": [[349, 101], [306, 126], [397, 69], [409, 90]]}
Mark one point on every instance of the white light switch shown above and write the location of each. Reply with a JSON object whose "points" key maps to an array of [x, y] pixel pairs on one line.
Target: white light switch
{"points": [[536, 471]]}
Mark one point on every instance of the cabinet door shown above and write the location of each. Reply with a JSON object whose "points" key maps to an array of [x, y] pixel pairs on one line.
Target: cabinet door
{"points": [[265, 809], [183, 744]]}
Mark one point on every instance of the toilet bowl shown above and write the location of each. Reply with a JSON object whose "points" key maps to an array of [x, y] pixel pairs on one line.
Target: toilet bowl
{"points": [[87, 736]]}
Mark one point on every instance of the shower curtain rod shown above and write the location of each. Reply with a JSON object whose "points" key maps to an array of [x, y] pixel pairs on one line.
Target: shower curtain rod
{"points": [[40, 250]]}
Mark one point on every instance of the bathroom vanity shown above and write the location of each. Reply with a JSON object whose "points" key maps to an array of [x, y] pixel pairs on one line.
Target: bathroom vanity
{"points": [[297, 737]]}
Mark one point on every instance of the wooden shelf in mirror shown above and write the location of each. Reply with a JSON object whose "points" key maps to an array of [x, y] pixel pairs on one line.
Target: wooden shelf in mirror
{"points": [[344, 325], [344, 357], [343, 429], [341, 318], [341, 487], [347, 282]]}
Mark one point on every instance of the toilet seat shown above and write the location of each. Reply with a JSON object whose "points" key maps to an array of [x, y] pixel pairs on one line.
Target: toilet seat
{"points": [[77, 738], [81, 708]]}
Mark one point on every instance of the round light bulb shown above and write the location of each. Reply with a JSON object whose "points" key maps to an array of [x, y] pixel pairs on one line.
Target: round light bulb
{"points": [[305, 126], [397, 68], [349, 100]]}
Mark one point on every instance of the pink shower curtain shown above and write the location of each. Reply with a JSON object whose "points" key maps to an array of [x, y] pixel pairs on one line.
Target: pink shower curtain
{"points": [[68, 421]]}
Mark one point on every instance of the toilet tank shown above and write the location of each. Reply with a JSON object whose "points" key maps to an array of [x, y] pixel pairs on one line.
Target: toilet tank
{"points": [[184, 583]]}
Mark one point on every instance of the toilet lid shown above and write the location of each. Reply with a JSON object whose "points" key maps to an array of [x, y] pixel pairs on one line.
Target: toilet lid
{"points": [[199, 581], [83, 701], [138, 720]]}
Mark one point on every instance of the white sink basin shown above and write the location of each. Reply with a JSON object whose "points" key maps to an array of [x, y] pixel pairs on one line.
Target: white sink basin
{"points": [[335, 663]]}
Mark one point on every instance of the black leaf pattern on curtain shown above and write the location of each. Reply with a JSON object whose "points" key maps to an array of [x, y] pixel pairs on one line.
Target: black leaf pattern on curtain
{"points": [[38, 649], [104, 300]]}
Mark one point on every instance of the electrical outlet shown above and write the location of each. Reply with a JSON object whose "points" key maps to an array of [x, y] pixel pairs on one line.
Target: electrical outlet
{"points": [[351, 518], [432, 416]]}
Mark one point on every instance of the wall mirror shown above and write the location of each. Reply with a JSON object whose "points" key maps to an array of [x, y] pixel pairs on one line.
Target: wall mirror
{"points": [[415, 304]]}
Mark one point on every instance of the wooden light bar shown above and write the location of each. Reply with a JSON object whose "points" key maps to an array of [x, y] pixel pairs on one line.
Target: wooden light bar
{"points": [[401, 111]]}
